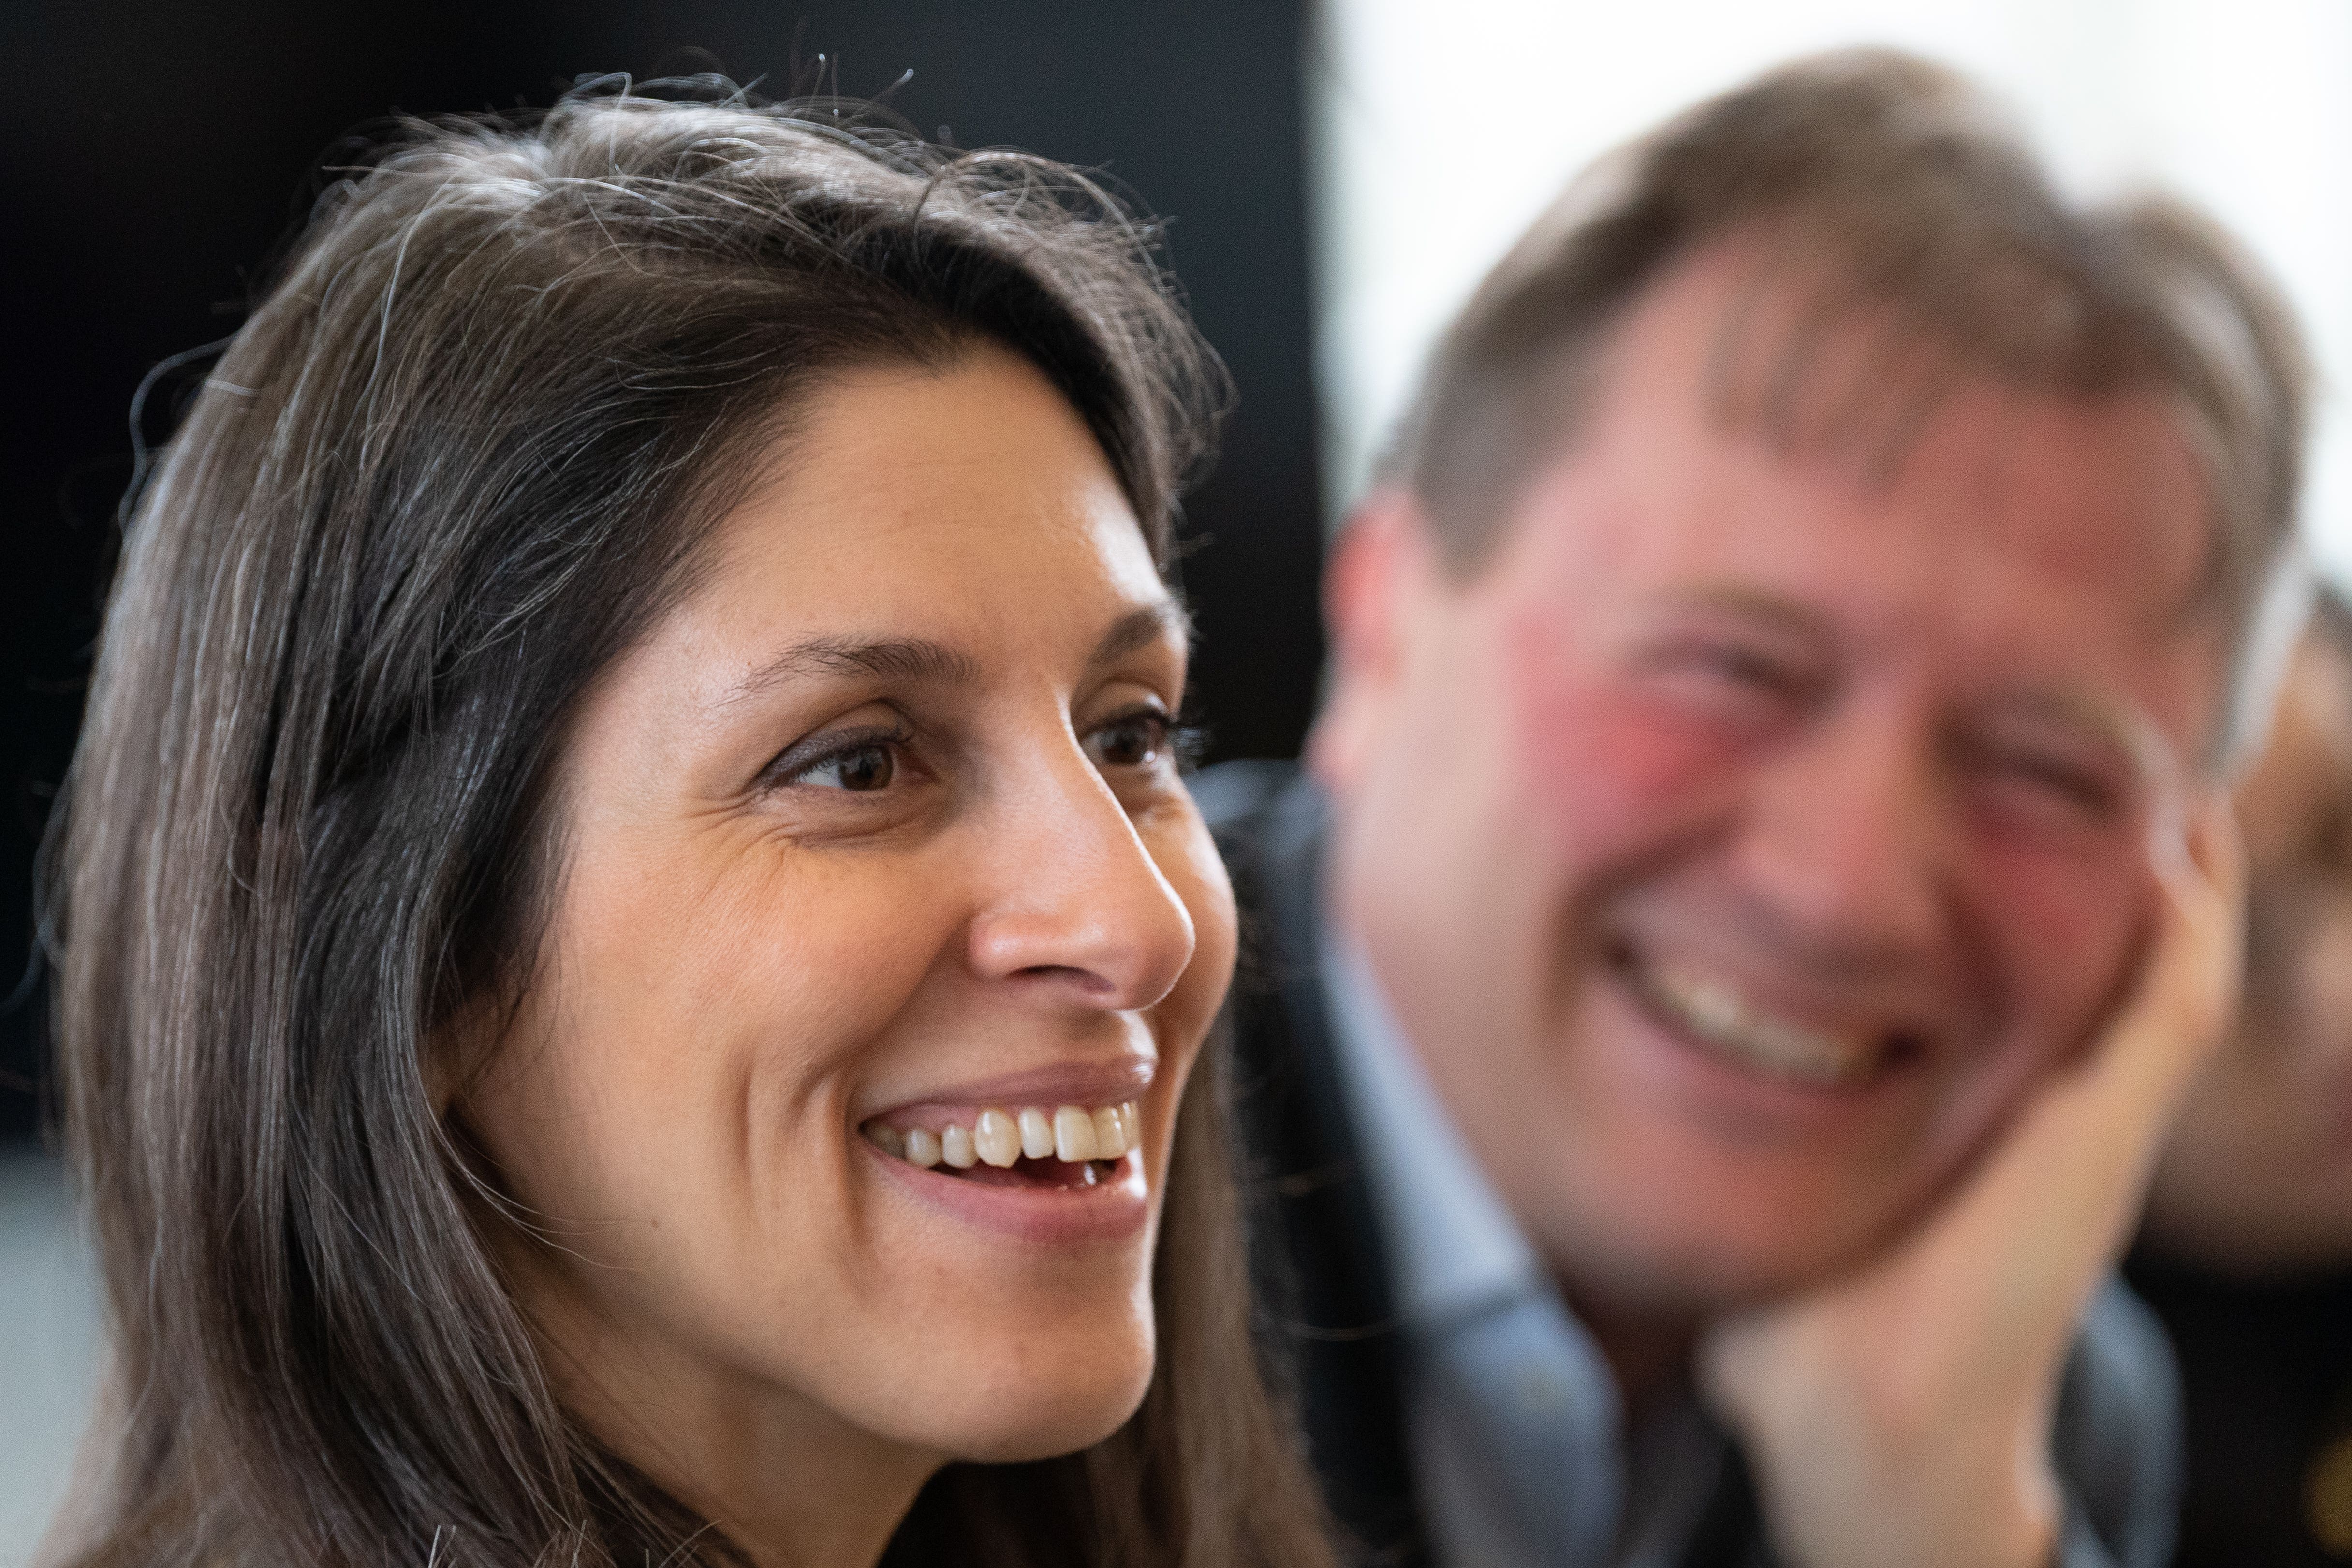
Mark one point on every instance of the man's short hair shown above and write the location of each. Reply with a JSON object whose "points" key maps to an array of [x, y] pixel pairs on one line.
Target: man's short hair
{"points": [[1882, 191]]}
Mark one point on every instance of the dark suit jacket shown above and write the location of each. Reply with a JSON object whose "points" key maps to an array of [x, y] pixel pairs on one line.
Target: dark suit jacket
{"points": [[1323, 1275], [2266, 1369]]}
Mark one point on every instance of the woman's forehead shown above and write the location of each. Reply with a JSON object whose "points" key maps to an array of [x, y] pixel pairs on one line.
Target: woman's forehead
{"points": [[965, 507]]}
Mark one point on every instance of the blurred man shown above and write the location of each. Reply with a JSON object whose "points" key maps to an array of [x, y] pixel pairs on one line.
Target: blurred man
{"points": [[1723, 979], [2246, 1253]]}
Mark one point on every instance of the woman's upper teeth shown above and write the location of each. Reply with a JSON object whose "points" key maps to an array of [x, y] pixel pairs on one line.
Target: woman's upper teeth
{"points": [[1720, 1017], [999, 1138]]}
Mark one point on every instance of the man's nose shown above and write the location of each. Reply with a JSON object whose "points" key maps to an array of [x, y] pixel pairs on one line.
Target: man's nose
{"points": [[1846, 837], [1075, 900]]}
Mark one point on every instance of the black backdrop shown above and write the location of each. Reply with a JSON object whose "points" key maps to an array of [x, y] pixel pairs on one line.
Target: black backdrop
{"points": [[152, 152]]}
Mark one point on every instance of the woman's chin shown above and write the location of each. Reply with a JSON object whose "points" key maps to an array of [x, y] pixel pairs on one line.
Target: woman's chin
{"points": [[1049, 1435], [1047, 1418]]}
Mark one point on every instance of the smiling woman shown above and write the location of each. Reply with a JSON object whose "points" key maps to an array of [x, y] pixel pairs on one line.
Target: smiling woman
{"points": [[634, 956]]}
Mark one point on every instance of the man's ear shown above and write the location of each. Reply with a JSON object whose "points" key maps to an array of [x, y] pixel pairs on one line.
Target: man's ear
{"points": [[1380, 569]]}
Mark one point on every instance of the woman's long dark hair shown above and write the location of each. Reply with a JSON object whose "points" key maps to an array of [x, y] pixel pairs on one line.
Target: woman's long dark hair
{"points": [[467, 444]]}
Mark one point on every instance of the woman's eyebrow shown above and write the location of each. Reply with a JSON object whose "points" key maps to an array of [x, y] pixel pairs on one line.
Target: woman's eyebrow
{"points": [[920, 661], [1142, 627], [909, 659]]}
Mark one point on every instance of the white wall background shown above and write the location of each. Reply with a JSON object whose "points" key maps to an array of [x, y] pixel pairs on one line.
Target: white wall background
{"points": [[49, 1349], [1443, 126]]}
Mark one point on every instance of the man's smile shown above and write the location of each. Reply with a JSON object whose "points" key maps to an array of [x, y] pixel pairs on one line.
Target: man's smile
{"points": [[1709, 1009]]}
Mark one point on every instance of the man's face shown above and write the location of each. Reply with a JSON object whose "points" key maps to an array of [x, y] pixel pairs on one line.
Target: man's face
{"points": [[1746, 836]]}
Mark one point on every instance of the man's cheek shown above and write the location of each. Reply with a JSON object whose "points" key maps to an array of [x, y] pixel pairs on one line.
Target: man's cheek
{"points": [[1604, 765], [2070, 932]]}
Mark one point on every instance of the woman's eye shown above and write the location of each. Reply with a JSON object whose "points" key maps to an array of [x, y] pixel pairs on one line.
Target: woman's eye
{"points": [[1134, 739], [859, 769]]}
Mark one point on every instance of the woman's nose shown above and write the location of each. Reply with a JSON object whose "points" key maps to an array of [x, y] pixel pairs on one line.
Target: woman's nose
{"points": [[1076, 901]]}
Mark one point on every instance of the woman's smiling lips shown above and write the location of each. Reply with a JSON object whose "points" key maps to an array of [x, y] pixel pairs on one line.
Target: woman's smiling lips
{"points": [[1052, 1154]]}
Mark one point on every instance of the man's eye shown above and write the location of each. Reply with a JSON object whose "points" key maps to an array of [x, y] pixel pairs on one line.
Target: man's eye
{"points": [[1743, 666], [859, 769], [1134, 739], [1733, 683], [2061, 781]]}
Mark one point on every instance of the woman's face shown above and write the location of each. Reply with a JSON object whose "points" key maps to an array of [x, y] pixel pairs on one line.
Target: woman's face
{"points": [[2257, 1178], [878, 835]]}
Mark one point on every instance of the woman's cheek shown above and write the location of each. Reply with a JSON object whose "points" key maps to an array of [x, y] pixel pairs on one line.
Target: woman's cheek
{"points": [[1180, 845]]}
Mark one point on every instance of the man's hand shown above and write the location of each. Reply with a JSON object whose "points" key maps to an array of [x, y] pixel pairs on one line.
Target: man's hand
{"points": [[1902, 1414]]}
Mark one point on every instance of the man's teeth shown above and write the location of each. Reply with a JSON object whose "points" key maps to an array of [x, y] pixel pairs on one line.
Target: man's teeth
{"points": [[999, 1138], [1723, 1018]]}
